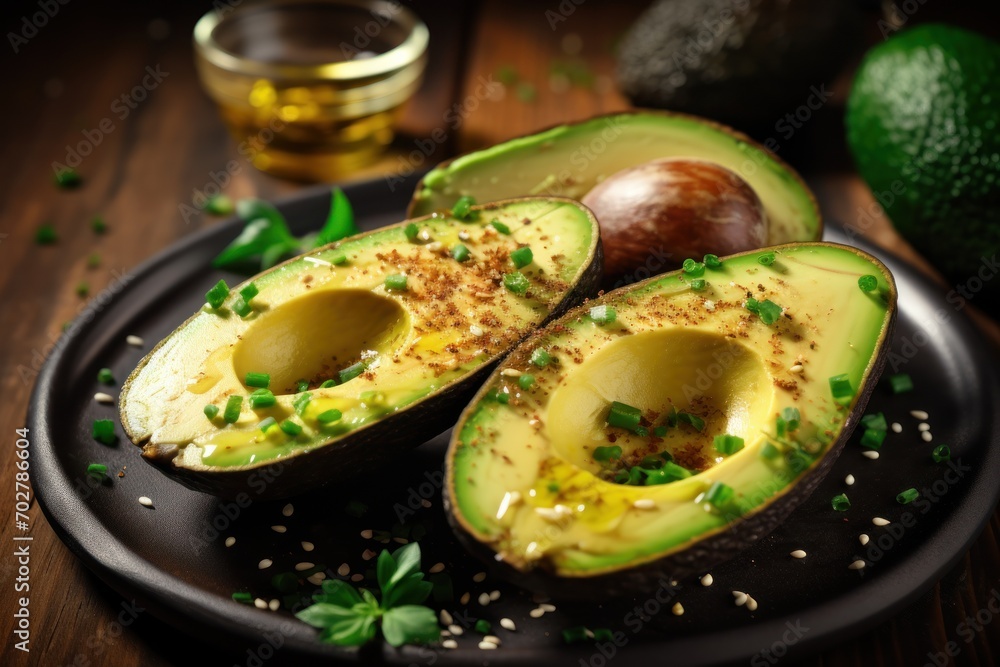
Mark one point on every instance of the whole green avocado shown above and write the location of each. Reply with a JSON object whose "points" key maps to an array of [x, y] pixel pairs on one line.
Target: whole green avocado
{"points": [[922, 124]]}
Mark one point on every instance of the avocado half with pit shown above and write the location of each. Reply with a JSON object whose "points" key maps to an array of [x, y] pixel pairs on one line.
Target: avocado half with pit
{"points": [[665, 426], [356, 350], [569, 160]]}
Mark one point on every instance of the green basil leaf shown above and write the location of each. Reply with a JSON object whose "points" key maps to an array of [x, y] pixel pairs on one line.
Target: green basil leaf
{"points": [[257, 237], [407, 562], [350, 632], [411, 590], [410, 624], [340, 220], [385, 568], [322, 614], [340, 593]]}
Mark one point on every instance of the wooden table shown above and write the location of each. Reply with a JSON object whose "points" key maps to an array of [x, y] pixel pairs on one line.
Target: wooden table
{"points": [[65, 79]]}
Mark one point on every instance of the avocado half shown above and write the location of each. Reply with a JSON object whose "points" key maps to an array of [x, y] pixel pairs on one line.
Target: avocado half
{"points": [[369, 345], [569, 160], [527, 489]]}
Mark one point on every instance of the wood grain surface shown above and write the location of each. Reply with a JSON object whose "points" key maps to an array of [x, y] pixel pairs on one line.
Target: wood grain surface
{"points": [[64, 81]]}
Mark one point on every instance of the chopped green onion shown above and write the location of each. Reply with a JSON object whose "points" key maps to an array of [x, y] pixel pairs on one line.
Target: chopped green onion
{"points": [[769, 312], [500, 227], [840, 502], [82, 289], [767, 259], [712, 261], [104, 431], [652, 462], [798, 460], [219, 205], [660, 431], [249, 292], [326, 384], [840, 387], [693, 268], [352, 371], [876, 422], [338, 258], [607, 453], [242, 597], [941, 453], [693, 420], [462, 210], [769, 451], [301, 402], [868, 283], [232, 411], [900, 383], [97, 225], [483, 626], [98, 471], [45, 235], [526, 381], [302, 385], [329, 416], [266, 424], [262, 380], [67, 178], [411, 231], [603, 314], [719, 494], [211, 411], [516, 283], [670, 419], [698, 284], [624, 416], [522, 257], [603, 635], [908, 496], [262, 398], [397, 281], [460, 253], [872, 438], [540, 357], [727, 444], [217, 295], [792, 418], [577, 633], [105, 376], [501, 397], [752, 305], [290, 428]]}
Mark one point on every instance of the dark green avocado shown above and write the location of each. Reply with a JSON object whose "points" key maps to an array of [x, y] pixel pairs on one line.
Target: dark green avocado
{"points": [[353, 352]]}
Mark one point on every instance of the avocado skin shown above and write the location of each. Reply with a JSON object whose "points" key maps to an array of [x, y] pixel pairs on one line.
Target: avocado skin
{"points": [[367, 448], [745, 62], [921, 123], [703, 554]]}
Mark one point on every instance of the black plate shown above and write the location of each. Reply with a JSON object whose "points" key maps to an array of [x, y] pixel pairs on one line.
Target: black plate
{"points": [[173, 558]]}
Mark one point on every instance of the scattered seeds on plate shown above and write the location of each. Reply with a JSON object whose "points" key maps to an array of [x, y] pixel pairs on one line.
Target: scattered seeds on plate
{"points": [[279, 529], [274, 605], [484, 599], [437, 567], [707, 580], [303, 566], [455, 630], [849, 480], [677, 609], [798, 553], [879, 521], [896, 427], [487, 646], [479, 577], [507, 624], [923, 426], [537, 612], [926, 436], [445, 617], [308, 546], [260, 603], [870, 453], [751, 604], [449, 643], [287, 510], [134, 341], [863, 538], [264, 564], [145, 502], [344, 569], [101, 397], [230, 541], [740, 598], [919, 414], [357, 576], [856, 565]]}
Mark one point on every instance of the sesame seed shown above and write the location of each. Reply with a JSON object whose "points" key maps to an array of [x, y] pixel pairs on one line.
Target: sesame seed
{"points": [[707, 580], [870, 453], [357, 576], [484, 599], [287, 510], [879, 521], [449, 643], [919, 414], [435, 246], [464, 599], [101, 397], [437, 567], [145, 502], [856, 565], [507, 624], [308, 546], [545, 606], [446, 618], [644, 504], [479, 577], [926, 436], [493, 639], [923, 426], [455, 629], [797, 368], [798, 553], [316, 579], [849, 480], [344, 569], [897, 427], [400, 540], [425, 503], [463, 235], [709, 305], [494, 596], [476, 330], [487, 646], [134, 341], [304, 565], [740, 598], [366, 534], [863, 539], [260, 604], [274, 605], [536, 612], [368, 554], [751, 604], [511, 373], [279, 529], [677, 609]]}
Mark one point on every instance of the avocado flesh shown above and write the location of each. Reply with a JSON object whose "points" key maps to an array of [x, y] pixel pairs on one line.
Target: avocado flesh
{"points": [[314, 317], [569, 160], [701, 352]]}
